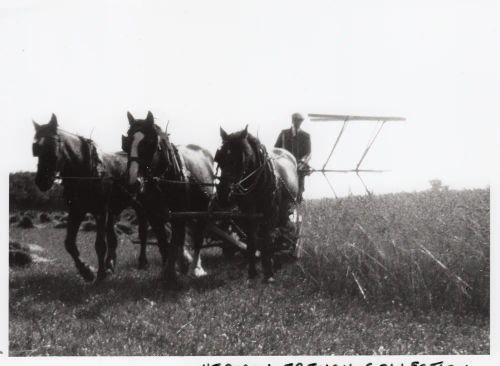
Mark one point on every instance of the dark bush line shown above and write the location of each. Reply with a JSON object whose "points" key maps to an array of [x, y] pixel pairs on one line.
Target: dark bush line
{"points": [[25, 195]]}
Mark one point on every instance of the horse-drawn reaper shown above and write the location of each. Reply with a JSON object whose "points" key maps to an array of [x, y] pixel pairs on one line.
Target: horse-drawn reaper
{"points": [[253, 208]]}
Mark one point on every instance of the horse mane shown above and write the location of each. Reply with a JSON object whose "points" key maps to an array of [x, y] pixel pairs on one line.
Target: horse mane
{"points": [[93, 156], [257, 147], [88, 150], [160, 132], [174, 163], [253, 141]]}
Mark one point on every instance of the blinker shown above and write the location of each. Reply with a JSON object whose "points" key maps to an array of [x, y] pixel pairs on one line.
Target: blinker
{"points": [[125, 144], [36, 149], [217, 156]]}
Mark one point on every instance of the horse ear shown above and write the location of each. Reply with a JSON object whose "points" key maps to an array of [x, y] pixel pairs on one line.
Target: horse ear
{"points": [[131, 118], [223, 134], [244, 133], [150, 119], [36, 125], [53, 121]]}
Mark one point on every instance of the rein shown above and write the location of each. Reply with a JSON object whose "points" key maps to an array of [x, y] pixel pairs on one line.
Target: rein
{"points": [[173, 181], [81, 178], [238, 189]]}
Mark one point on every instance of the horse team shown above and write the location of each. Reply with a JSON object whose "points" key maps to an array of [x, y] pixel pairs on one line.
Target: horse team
{"points": [[156, 177]]}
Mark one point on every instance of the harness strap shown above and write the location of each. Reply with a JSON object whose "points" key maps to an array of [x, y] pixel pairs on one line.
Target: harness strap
{"points": [[179, 164], [134, 158], [95, 161], [264, 162]]}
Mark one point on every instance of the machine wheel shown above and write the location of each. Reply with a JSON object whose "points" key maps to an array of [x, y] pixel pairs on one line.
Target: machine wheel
{"points": [[228, 253], [296, 219]]}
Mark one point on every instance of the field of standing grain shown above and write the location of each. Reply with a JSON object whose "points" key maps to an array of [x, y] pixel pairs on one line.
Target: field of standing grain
{"points": [[395, 274]]}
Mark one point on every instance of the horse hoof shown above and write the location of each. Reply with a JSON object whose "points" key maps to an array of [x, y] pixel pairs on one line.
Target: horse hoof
{"points": [[172, 284], [100, 277], [170, 279], [277, 264], [250, 282], [199, 272], [269, 280], [88, 274], [110, 267]]}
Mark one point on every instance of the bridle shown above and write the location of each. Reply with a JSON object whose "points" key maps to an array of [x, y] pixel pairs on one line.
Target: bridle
{"points": [[59, 165], [37, 151], [237, 187], [145, 165]]}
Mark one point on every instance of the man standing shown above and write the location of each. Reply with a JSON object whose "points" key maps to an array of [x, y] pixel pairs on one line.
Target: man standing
{"points": [[298, 142]]}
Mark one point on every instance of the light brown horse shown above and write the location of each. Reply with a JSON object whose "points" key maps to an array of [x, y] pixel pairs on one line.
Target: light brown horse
{"points": [[175, 178]]}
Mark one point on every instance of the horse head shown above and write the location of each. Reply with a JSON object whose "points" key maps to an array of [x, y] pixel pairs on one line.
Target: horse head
{"points": [[47, 148], [236, 159], [142, 144]]}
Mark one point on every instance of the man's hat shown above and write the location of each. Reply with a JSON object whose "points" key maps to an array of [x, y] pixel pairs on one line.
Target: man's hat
{"points": [[297, 117]]}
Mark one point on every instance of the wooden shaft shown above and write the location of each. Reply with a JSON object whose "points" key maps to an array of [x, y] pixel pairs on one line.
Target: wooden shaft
{"points": [[225, 236], [212, 214]]}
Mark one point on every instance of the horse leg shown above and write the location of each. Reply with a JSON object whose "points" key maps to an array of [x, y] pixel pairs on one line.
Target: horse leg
{"points": [[251, 248], [74, 220], [174, 249], [266, 253], [143, 237], [284, 228], [100, 245], [197, 268], [185, 259], [158, 226], [112, 242]]}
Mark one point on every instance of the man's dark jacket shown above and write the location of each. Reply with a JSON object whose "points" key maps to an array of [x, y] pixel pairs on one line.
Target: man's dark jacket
{"points": [[299, 145]]}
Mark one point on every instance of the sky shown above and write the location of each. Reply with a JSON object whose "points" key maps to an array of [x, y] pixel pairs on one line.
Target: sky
{"points": [[205, 64]]}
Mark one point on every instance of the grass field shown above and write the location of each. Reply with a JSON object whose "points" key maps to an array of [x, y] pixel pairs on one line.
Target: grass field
{"points": [[394, 274]]}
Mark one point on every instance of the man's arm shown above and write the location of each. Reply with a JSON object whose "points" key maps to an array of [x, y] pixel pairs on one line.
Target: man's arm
{"points": [[307, 149], [279, 141]]}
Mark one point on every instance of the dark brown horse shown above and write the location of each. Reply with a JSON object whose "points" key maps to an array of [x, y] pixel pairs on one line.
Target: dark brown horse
{"points": [[173, 179], [93, 182], [258, 183]]}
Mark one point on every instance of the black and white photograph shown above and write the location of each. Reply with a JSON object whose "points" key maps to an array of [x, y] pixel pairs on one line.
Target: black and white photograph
{"points": [[303, 179]]}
